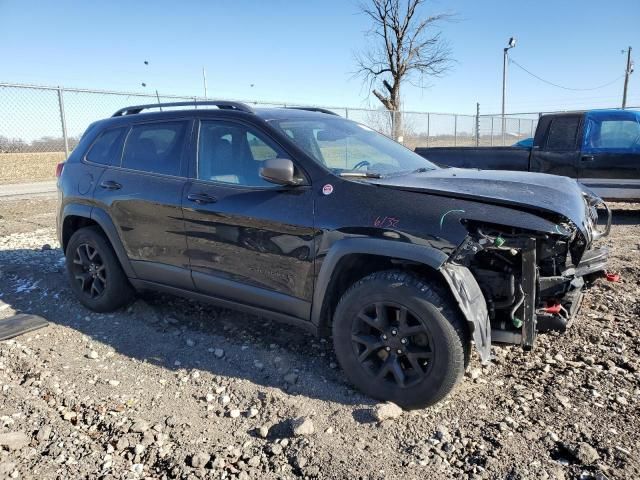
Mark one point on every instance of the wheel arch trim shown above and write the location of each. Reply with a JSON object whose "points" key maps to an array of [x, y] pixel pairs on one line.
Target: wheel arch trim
{"points": [[422, 254], [106, 224]]}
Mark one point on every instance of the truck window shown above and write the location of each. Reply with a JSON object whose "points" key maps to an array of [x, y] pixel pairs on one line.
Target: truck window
{"points": [[563, 133], [611, 134]]}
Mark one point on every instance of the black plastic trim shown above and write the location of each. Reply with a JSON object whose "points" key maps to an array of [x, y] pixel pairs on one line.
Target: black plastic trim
{"points": [[261, 298], [226, 303], [426, 255]]}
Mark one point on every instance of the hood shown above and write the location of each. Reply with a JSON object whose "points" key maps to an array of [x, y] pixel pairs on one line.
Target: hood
{"points": [[538, 192]]}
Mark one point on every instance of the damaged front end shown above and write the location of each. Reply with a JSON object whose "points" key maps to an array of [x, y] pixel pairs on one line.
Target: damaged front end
{"points": [[512, 283]]}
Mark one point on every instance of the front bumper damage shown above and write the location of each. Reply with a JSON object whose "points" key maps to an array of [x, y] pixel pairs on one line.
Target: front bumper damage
{"points": [[529, 287]]}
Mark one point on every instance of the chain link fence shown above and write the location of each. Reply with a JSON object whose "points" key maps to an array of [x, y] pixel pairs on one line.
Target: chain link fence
{"points": [[40, 125]]}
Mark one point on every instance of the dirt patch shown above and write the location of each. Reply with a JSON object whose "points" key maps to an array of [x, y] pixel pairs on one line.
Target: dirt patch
{"points": [[170, 388], [29, 167]]}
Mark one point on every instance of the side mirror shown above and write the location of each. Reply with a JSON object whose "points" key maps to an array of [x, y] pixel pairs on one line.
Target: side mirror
{"points": [[278, 170]]}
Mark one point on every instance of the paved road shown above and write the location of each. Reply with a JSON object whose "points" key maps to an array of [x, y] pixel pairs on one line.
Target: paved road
{"points": [[36, 189]]}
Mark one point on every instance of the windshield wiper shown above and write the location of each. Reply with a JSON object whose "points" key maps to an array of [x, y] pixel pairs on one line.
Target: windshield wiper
{"points": [[360, 174]]}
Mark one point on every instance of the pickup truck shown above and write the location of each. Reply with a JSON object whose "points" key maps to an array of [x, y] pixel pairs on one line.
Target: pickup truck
{"points": [[600, 148]]}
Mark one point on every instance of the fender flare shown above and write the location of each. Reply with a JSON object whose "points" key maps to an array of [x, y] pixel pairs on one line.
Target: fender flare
{"points": [[423, 254], [461, 282], [104, 221]]}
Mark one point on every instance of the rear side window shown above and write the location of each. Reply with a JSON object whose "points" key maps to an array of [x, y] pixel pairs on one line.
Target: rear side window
{"points": [[107, 148], [155, 147], [563, 133]]}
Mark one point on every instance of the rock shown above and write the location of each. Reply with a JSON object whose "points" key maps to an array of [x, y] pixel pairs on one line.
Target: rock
{"points": [[254, 461], [190, 342], [442, 434], [302, 426], [586, 454], [263, 431], [291, 378], [253, 412], [138, 449], [210, 397], [44, 433], [93, 355], [275, 449], [258, 364], [114, 383], [474, 373], [200, 459], [14, 440], [139, 426], [218, 353], [218, 462], [46, 247], [122, 443], [234, 413], [137, 468], [386, 411]]}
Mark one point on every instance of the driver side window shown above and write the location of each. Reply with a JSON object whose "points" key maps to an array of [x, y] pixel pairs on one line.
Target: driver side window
{"points": [[232, 153]]}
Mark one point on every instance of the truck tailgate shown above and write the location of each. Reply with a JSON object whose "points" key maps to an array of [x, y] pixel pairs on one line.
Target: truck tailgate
{"points": [[484, 158]]}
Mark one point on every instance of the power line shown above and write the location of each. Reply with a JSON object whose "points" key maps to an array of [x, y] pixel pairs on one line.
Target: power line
{"points": [[511, 60]]}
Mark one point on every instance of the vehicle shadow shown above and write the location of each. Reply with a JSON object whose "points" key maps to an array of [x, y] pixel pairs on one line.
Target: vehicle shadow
{"points": [[176, 333]]}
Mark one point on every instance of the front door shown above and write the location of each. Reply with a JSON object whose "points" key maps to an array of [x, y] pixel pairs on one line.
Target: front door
{"points": [[143, 194], [249, 241], [610, 162]]}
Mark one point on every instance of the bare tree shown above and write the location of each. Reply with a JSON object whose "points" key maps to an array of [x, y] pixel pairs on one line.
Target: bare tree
{"points": [[406, 47]]}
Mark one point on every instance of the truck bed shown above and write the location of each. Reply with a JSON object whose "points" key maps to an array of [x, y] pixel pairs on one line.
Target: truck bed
{"points": [[484, 158]]}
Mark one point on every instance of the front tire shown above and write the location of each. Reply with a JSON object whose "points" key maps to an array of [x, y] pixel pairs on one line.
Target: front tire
{"points": [[95, 274], [400, 339]]}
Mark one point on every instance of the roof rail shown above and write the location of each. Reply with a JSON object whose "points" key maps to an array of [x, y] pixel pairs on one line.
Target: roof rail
{"points": [[221, 104], [315, 109]]}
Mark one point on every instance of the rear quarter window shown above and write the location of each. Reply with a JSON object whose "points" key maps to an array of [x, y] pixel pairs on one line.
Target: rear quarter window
{"points": [[107, 148], [563, 133], [155, 147]]}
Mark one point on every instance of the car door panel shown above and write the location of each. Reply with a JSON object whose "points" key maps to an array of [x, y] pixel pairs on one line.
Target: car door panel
{"points": [[248, 240], [263, 239], [146, 208], [560, 152]]}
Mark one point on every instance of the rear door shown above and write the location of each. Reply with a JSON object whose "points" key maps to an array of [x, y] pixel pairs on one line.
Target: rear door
{"points": [[557, 149], [250, 241], [142, 193], [610, 162]]}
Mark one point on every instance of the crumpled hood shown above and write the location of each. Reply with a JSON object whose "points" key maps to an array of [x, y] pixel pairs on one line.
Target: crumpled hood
{"points": [[540, 192]]}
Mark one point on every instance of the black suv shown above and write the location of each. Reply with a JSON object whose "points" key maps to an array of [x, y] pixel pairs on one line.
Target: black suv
{"points": [[309, 218]]}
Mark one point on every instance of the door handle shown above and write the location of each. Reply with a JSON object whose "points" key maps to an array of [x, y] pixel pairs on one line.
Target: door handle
{"points": [[110, 185], [201, 198], [587, 158]]}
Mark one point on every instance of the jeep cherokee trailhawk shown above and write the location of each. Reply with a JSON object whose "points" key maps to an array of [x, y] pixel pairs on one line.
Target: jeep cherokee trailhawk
{"points": [[303, 216]]}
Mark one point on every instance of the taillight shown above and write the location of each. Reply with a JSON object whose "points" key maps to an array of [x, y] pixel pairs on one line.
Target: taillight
{"points": [[59, 169]]}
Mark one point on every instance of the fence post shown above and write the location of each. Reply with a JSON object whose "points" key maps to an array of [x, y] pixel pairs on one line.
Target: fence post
{"points": [[477, 124], [492, 131], [428, 127], [519, 130], [455, 130], [63, 122], [346, 113]]}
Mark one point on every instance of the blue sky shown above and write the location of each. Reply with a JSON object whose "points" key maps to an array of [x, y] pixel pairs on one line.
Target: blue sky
{"points": [[303, 51]]}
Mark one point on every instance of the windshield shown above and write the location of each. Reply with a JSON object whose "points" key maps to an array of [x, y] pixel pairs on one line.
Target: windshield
{"points": [[345, 146]]}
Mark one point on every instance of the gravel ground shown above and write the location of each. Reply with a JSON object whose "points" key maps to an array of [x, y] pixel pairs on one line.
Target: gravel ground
{"points": [[171, 388]]}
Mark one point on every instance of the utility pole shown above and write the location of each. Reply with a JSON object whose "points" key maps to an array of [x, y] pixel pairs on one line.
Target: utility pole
{"points": [[627, 72], [204, 80], [510, 45]]}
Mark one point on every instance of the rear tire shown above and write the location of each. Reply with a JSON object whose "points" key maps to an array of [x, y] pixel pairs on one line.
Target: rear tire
{"points": [[400, 339], [95, 274]]}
